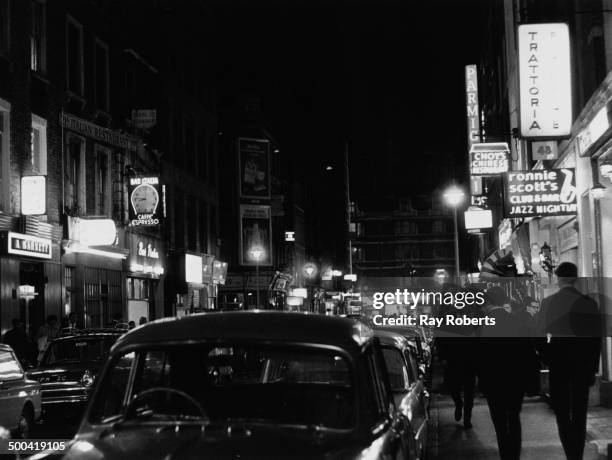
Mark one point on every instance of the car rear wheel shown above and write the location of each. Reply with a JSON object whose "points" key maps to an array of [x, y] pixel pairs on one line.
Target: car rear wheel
{"points": [[24, 426]]}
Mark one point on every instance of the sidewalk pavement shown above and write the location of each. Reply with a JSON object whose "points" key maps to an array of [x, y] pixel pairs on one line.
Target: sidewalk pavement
{"points": [[449, 440]]}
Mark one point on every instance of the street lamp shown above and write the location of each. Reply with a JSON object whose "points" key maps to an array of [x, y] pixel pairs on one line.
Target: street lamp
{"points": [[454, 197], [256, 254]]}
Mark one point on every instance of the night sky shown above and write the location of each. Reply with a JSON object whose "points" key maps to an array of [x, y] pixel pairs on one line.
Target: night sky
{"points": [[384, 75]]}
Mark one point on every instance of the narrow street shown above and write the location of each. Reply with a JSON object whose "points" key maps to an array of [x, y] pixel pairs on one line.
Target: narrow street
{"points": [[449, 440]]}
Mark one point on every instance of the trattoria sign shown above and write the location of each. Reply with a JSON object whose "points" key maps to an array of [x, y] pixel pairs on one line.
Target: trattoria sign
{"points": [[147, 201], [27, 245], [545, 80], [541, 192]]}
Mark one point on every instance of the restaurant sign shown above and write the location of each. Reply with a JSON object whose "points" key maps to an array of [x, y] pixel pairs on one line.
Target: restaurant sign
{"points": [[489, 159], [96, 132], [545, 80], [147, 201], [540, 192], [27, 245]]}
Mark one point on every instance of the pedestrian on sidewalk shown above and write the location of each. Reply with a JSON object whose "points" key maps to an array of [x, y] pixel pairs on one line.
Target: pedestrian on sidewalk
{"points": [[572, 325], [458, 352], [46, 334], [502, 375]]}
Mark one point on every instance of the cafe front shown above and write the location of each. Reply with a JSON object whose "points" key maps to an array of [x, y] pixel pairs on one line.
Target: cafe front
{"points": [[145, 268]]}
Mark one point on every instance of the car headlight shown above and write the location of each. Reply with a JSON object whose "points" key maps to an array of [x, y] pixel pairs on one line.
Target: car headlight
{"points": [[88, 379]]}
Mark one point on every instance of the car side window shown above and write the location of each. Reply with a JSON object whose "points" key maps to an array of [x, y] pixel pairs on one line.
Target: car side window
{"points": [[413, 365], [378, 396], [9, 366], [396, 369], [113, 390]]}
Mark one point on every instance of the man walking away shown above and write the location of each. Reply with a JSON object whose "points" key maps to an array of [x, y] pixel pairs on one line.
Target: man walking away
{"points": [[502, 372], [571, 321]]}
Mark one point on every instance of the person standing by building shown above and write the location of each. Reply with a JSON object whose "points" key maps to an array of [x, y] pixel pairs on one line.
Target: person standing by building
{"points": [[17, 339], [572, 324], [47, 332], [502, 371]]}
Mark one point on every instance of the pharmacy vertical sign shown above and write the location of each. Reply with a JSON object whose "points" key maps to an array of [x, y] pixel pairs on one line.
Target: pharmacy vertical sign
{"points": [[471, 99], [545, 81]]}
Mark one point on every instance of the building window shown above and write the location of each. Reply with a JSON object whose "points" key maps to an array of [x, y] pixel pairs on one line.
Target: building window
{"points": [[37, 36], [74, 56], [4, 26], [179, 224], [73, 172], [5, 112], [38, 154], [204, 227], [192, 230], [102, 181], [69, 285], [101, 75]]}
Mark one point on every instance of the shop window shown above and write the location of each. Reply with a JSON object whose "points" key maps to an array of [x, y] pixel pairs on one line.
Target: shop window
{"points": [[37, 36], [38, 154], [74, 56], [101, 75], [5, 112], [69, 285]]}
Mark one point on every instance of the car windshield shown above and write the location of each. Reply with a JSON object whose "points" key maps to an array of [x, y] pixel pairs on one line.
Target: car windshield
{"points": [[246, 383], [78, 350]]}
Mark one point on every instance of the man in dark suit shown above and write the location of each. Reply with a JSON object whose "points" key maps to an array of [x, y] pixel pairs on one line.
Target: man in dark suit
{"points": [[572, 324]]}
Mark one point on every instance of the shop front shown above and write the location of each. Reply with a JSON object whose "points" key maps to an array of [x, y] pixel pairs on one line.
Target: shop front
{"points": [[145, 267], [31, 285], [92, 261], [192, 284]]}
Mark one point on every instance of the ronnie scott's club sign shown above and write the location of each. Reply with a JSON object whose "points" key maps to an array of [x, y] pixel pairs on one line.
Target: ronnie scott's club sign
{"points": [[540, 192]]}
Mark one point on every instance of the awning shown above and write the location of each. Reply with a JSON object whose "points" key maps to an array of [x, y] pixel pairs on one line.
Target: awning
{"points": [[500, 263]]}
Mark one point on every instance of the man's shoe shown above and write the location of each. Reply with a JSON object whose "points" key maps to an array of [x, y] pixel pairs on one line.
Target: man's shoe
{"points": [[458, 413], [467, 424]]}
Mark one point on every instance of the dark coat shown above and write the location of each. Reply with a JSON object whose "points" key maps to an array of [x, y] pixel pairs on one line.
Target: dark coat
{"points": [[574, 322], [17, 339], [504, 354]]}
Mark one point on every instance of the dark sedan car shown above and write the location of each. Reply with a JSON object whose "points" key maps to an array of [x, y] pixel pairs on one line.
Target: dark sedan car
{"points": [[69, 368], [401, 359], [244, 385]]}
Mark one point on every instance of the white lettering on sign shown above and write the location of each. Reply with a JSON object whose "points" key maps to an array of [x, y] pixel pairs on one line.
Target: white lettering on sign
{"points": [[29, 245], [541, 192], [147, 251], [545, 80], [473, 114]]}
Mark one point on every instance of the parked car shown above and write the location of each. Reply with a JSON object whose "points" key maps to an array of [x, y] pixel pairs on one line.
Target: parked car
{"points": [[244, 385], [418, 337], [69, 368], [407, 385], [20, 403]]}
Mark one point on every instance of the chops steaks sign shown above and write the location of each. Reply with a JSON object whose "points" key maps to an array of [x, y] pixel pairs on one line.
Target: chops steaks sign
{"points": [[541, 192]]}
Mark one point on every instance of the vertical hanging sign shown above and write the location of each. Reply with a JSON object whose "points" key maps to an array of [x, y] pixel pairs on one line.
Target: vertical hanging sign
{"points": [[473, 112], [545, 81]]}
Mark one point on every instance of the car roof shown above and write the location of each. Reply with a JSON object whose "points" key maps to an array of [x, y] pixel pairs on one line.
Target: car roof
{"points": [[393, 338], [5, 347], [270, 326]]}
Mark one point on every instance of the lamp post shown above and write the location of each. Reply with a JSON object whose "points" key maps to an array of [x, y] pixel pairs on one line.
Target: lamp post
{"points": [[256, 254], [454, 197], [310, 270]]}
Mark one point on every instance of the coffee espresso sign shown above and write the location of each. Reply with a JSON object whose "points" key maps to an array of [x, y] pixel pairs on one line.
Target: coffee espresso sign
{"points": [[541, 192]]}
